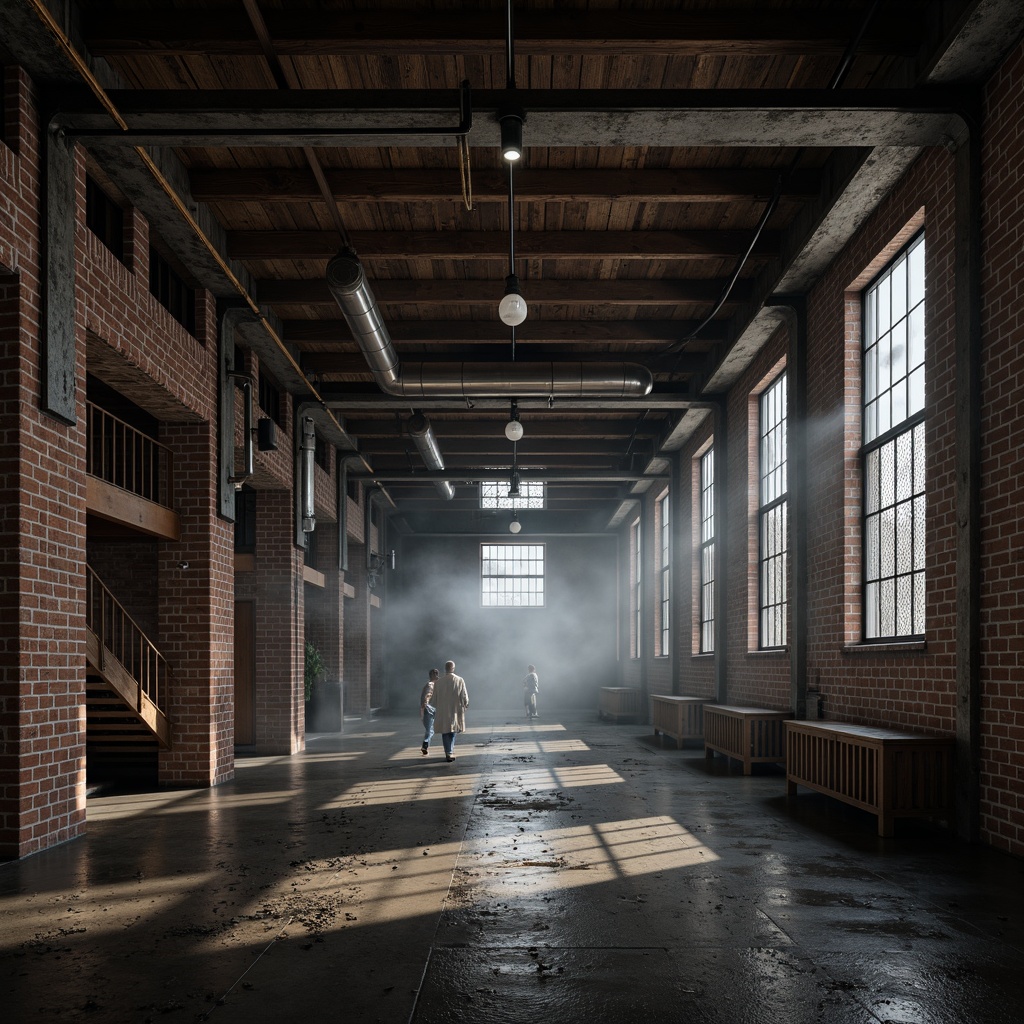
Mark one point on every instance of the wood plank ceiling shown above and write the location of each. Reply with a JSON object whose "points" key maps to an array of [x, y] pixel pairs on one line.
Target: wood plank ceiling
{"points": [[658, 138]]}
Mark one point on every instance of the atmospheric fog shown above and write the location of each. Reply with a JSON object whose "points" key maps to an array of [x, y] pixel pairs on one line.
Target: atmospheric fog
{"points": [[434, 614]]}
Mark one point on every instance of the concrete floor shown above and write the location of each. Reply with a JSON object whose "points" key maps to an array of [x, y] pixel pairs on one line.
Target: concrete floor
{"points": [[562, 871]]}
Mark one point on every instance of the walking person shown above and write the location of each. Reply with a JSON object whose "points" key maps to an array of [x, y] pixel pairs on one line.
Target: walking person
{"points": [[427, 709], [531, 687], [450, 703]]}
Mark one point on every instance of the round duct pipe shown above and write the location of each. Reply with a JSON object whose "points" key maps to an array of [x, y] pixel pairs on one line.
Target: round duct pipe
{"points": [[347, 282], [422, 434]]}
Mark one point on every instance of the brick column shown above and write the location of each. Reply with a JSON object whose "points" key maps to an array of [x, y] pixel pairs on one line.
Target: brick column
{"points": [[280, 609], [196, 617], [42, 592], [357, 634]]}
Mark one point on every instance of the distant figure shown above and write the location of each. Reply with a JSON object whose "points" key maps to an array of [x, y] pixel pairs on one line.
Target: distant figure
{"points": [[531, 687], [450, 703], [427, 709]]}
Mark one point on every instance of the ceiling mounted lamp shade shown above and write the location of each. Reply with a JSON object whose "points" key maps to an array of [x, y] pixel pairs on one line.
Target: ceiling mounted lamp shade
{"points": [[512, 308], [514, 429], [511, 136]]}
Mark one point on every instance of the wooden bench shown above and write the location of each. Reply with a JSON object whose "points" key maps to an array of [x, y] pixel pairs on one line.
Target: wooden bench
{"points": [[750, 735], [618, 702], [889, 773], [681, 718]]}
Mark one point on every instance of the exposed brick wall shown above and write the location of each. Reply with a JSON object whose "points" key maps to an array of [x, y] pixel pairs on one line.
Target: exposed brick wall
{"points": [[196, 614], [1002, 461], [279, 696], [874, 684], [128, 569], [42, 528], [754, 677]]}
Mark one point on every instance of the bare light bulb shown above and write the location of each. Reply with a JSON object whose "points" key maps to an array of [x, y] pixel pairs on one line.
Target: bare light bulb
{"points": [[512, 309], [514, 430]]}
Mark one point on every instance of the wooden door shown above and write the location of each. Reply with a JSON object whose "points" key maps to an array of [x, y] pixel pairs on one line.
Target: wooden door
{"points": [[245, 673]]}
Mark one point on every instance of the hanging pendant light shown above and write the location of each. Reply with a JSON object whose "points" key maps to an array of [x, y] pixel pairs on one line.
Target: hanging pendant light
{"points": [[514, 429], [512, 309]]}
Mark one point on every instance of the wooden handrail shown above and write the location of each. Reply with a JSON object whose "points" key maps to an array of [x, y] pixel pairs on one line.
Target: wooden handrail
{"points": [[124, 456], [124, 639]]}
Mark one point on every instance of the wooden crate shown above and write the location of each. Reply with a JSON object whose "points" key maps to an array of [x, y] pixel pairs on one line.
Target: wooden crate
{"points": [[682, 718], [889, 773], [618, 702], [750, 735]]}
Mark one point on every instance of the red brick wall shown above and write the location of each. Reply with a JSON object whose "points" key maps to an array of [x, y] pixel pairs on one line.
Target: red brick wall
{"points": [[909, 685], [42, 526], [1002, 461], [759, 678], [280, 725]]}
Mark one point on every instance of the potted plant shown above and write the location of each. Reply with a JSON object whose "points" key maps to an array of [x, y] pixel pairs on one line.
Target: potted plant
{"points": [[323, 697], [314, 667]]}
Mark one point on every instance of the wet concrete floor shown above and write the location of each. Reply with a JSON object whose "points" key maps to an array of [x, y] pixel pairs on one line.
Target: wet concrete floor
{"points": [[561, 871]]}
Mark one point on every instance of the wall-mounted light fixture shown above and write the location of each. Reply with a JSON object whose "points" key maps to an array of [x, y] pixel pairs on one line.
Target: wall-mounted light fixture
{"points": [[308, 450]]}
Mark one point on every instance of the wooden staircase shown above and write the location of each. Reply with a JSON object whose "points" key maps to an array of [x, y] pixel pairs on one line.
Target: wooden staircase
{"points": [[128, 676]]}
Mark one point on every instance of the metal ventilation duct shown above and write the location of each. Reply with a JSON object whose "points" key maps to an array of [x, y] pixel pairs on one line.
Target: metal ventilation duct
{"points": [[422, 434], [348, 284]]}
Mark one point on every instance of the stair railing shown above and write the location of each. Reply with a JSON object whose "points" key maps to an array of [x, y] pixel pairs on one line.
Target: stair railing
{"points": [[124, 639], [127, 458]]}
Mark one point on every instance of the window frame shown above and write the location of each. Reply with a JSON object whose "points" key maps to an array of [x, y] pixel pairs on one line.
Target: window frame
{"points": [[772, 516], [706, 553], [636, 581], [533, 495], [880, 436], [531, 547], [663, 514]]}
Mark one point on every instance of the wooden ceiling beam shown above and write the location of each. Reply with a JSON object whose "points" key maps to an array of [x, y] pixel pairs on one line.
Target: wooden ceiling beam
{"points": [[548, 291], [683, 185], [493, 245], [424, 33]]}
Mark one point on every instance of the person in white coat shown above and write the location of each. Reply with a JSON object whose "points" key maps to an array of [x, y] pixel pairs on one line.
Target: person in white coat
{"points": [[450, 702]]}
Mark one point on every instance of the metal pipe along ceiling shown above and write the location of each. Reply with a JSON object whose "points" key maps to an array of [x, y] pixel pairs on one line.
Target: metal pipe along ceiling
{"points": [[422, 434], [348, 284]]}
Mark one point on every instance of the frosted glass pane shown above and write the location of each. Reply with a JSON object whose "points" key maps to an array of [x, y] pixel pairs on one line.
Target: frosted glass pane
{"points": [[887, 474], [904, 466], [887, 543], [904, 538]]}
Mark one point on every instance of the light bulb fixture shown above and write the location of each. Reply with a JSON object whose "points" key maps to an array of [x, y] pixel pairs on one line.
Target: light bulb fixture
{"points": [[513, 484], [515, 526], [514, 429], [511, 135], [512, 308]]}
